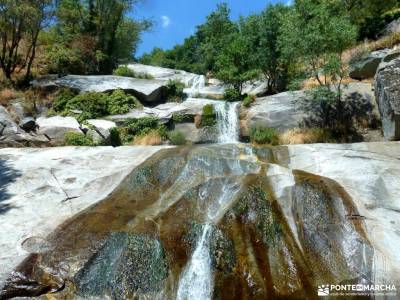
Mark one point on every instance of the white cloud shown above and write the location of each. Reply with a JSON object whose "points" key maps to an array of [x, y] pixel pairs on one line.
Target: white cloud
{"points": [[165, 21]]}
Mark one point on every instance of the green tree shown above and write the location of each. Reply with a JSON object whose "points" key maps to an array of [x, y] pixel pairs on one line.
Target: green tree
{"points": [[215, 33], [99, 32], [198, 52], [234, 65], [369, 16], [314, 36], [262, 32], [21, 21], [316, 33]]}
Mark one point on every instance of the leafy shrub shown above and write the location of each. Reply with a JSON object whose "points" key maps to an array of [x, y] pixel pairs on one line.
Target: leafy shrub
{"points": [[182, 118], [141, 126], [115, 138], [209, 116], [120, 103], [124, 71], [232, 95], [63, 60], [73, 138], [177, 138], [63, 96], [91, 105], [175, 90], [134, 128], [248, 100], [264, 135], [337, 114]]}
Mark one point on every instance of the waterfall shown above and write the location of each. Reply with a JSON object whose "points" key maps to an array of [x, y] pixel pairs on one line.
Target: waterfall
{"points": [[228, 122], [197, 280], [199, 82]]}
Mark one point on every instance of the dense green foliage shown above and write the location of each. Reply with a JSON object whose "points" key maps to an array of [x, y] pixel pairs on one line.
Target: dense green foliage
{"points": [[248, 100], [234, 65], [199, 52], [21, 21], [263, 135], [77, 139], [175, 90], [177, 138], [182, 118], [93, 105], [91, 36], [209, 117], [138, 127], [262, 33], [125, 71], [232, 95], [317, 34]]}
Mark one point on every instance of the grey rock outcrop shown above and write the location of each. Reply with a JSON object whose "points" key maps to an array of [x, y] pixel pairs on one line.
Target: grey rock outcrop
{"points": [[56, 127], [11, 135], [392, 27], [101, 129], [164, 112], [42, 188], [281, 111], [326, 211], [148, 91], [197, 135], [366, 67], [292, 109], [387, 89]]}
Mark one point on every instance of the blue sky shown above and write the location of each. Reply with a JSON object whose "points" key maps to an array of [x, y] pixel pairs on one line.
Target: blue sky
{"points": [[177, 19]]}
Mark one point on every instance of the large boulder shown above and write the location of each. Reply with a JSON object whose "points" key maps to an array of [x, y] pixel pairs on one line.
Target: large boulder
{"points": [[367, 66], [387, 89], [281, 111], [56, 127], [293, 109], [165, 112], [148, 91], [101, 129], [164, 74], [392, 28], [12, 135]]}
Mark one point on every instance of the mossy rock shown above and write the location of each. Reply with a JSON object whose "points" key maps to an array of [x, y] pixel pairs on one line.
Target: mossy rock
{"points": [[127, 265], [254, 207], [221, 248]]}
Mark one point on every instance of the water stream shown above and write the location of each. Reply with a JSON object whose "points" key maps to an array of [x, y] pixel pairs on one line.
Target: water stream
{"points": [[227, 122]]}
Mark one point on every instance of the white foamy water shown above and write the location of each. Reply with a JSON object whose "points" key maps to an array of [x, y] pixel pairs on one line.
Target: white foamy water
{"points": [[227, 122], [199, 82], [197, 278]]}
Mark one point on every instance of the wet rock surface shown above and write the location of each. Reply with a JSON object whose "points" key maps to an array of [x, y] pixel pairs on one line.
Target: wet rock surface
{"points": [[127, 264], [260, 222]]}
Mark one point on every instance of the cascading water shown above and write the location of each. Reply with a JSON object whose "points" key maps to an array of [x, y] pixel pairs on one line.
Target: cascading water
{"points": [[228, 122], [196, 281], [199, 82]]}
